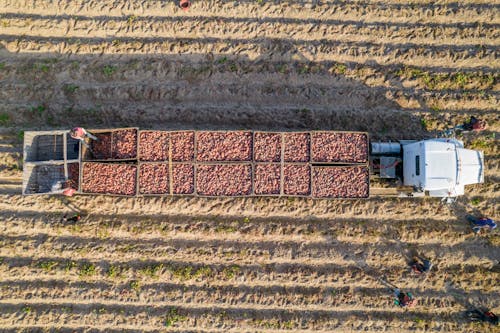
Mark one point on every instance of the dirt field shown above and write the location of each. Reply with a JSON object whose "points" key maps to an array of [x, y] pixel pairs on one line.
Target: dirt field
{"points": [[268, 264]]}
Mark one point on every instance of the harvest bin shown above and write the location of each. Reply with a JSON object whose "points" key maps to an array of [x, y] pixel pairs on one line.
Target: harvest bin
{"points": [[41, 178], [113, 145], [109, 178], [49, 146], [338, 147], [340, 182], [153, 146]]}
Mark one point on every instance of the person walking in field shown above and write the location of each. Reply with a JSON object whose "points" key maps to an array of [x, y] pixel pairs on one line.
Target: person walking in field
{"points": [[481, 223]]}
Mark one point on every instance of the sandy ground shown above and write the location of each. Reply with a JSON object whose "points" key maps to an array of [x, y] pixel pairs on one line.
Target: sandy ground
{"points": [[397, 70]]}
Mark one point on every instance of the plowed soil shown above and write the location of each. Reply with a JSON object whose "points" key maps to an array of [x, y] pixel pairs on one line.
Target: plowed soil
{"points": [[396, 70]]}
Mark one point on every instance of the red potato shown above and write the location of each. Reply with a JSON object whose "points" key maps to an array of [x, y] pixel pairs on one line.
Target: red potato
{"points": [[124, 144], [183, 178], [109, 178], [297, 147], [182, 146], [224, 146], [340, 147], [224, 180], [297, 179], [267, 147], [341, 182], [153, 178], [74, 175], [153, 146], [267, 179]]}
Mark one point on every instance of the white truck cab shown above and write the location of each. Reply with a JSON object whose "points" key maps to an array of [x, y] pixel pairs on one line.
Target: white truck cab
{"points": [[441, 167]]}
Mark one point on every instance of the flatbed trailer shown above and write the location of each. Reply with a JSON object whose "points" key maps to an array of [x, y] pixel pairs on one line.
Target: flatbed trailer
{"points": [[314, 164]]}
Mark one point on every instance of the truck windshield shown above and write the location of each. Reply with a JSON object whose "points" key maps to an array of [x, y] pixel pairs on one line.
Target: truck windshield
{"points": [[417, 165]]}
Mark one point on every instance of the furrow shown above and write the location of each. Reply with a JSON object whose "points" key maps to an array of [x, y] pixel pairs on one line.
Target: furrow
{"points": [[367, 12], [408, 54], [247, 28]]}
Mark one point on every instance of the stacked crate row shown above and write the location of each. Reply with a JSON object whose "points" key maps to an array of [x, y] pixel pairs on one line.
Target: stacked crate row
{"points": [[228, 163]]}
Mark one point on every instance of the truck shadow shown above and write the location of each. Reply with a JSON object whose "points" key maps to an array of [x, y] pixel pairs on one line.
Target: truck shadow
{"points": [[214, 91]]}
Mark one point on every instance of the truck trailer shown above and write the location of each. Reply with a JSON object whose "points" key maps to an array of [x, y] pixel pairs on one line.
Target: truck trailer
{"points": [[314, 164]]}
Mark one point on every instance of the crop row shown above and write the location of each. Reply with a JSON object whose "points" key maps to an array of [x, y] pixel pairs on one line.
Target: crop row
{"points": [[243, 179], [231, 146]]}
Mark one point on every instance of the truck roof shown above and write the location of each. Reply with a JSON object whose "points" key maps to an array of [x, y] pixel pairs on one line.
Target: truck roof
{"points": [[442, 166]]}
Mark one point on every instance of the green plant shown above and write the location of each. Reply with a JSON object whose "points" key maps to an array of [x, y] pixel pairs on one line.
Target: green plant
{"points": [[27, 309], [173, 317], [233, 68], [222, 60], [48, 265], [152, 271], [231, 271], [340, 68], [475, 201], [70, 88], [202, 272], [109, 70], [113, 272], [4, 119], [135, 285], [69, 266], [2, 66], [283, 68], [424, 123], [42, 67], [260, 2], [40, 109], [20, 136], [225, 229], [183, 273], [131, 19], [87, 269], [461, 79]]}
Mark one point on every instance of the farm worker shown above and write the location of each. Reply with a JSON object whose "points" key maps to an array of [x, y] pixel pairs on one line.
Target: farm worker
{"points": [[480, 315], [403, 299], [481, 223], [473, 124], [80, 133], [69, 191], [184, 4], [420, 265], [74, 218]]}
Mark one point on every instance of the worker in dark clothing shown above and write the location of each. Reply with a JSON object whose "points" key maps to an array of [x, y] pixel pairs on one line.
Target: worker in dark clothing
{"points": [[481, 223], [420, 265], [75, 218], [480, 315], [404, 299], [473, 124]]}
